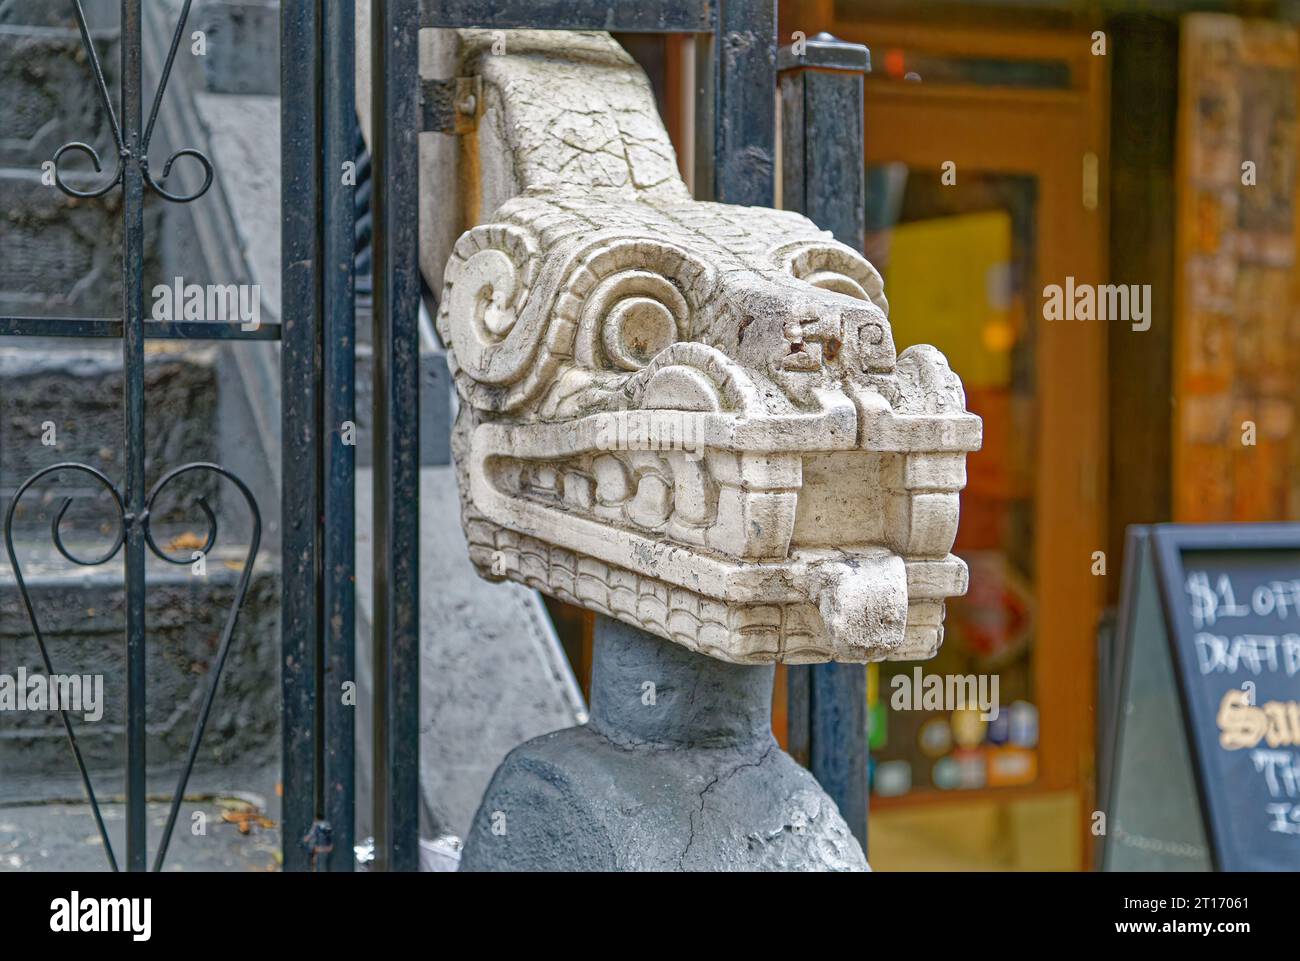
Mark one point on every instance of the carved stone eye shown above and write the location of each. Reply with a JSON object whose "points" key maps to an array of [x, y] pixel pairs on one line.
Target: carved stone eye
{"points": [[629, 299], [636, 329], [633, 315]]}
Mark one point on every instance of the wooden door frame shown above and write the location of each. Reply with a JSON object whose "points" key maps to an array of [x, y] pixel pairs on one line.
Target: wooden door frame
{"points": [[1044, 133]]}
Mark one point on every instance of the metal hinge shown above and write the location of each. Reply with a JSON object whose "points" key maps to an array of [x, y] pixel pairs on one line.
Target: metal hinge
{"points": [[450, 106]]}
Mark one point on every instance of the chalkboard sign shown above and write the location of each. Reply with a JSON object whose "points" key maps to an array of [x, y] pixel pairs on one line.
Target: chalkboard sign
{"points": [[1205, 769]]}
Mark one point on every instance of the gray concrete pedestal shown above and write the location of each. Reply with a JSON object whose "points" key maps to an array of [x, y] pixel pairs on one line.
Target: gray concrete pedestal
{"points": [[676, 771]]}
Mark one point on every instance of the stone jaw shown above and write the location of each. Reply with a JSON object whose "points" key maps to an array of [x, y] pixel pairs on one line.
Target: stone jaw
{"points": [[690, 416]]}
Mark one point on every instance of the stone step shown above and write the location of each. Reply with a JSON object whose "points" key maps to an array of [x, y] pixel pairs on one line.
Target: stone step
{"points": [[50, 95], [59, 834], [82, 618], [62, 391], [57, 13], [61, 256]]}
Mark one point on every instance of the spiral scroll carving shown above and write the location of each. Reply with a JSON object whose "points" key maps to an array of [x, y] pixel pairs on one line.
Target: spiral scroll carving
{"points": [[836, 268]]}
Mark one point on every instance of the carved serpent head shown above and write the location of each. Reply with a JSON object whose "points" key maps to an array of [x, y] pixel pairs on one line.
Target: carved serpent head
{"points": [[691, 416]]}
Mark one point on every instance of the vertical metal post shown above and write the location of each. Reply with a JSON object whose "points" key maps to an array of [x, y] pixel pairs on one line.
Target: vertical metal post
{"points": [[736, 114], [395, 115], [300, 502], [318, 136], [133, 432], [824, 178], [337, 663], [823, 171]]}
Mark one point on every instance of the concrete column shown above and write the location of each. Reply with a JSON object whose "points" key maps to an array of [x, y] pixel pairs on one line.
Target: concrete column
{"points": [[677, 770]]}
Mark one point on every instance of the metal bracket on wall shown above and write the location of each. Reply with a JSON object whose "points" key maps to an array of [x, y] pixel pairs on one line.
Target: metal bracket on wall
{"points": [[450, 106]]}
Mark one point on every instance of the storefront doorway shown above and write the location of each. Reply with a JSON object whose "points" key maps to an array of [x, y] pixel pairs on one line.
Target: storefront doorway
{"points": [[984, 153]]}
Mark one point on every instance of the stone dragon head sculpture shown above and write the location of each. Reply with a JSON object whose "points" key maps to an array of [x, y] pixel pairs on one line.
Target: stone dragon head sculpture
{"points": [[688, 416]]}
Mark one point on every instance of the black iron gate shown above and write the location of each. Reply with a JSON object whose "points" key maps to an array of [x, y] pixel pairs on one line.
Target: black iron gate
{"points": [[735, 136], [132, 501]]}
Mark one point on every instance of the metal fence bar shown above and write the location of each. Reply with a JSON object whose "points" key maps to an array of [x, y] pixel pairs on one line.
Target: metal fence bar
{"points": [[300, 504], [628, 16], [132, 120], [337, 664], [837, 753], [824, 178], [395, 115], [823, 170], [106, 328], [740, 62], [705, 133]]}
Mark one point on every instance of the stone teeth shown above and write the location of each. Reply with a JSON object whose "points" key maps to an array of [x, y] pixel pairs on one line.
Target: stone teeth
{"points": [[613, 486], [653, 502], [579, 490]]}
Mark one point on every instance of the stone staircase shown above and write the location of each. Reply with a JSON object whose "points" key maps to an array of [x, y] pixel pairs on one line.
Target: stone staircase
{"points": [[60, 401]]}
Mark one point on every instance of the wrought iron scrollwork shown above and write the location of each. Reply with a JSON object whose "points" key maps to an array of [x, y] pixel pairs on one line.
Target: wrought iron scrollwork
{"points": [[68, 727], [223, 648], [124, 150], [124, 521]]}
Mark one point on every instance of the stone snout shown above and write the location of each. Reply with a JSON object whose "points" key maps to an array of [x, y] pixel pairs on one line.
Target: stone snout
{"points": [[734, 459], [749, 541], [804, 338]]}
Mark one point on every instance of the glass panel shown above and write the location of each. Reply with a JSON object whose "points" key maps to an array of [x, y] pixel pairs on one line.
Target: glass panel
{"points": [[959, 274]]}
